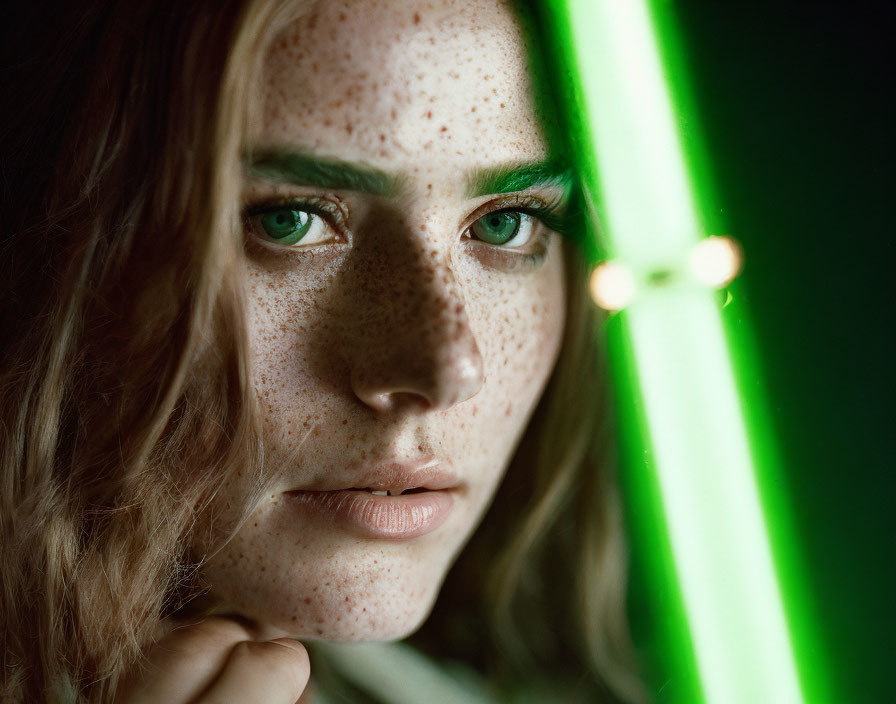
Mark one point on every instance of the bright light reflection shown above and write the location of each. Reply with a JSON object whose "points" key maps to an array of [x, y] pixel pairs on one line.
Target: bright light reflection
{"points": [[612, 285], [715, 261]]}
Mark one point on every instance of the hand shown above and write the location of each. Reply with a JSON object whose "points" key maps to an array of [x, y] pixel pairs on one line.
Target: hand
{"points": [[216, 662]]}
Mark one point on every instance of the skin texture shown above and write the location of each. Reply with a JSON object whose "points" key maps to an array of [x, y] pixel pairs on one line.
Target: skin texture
{"points": [[406, 339]]}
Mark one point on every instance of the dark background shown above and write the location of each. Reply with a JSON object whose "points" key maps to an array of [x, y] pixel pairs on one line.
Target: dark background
{"points": [[795, 102]]}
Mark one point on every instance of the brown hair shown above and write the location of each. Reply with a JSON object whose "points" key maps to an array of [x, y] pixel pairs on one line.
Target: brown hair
{"points": [[124, 385]]}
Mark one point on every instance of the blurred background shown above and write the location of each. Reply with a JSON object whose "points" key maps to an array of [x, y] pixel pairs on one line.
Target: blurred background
{"points": [[796, 102]]}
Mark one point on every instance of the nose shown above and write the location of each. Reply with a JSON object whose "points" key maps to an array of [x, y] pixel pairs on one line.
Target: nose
{"points": [[416, 348]]}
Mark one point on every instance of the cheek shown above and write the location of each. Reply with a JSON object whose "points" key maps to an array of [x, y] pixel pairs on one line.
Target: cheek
{"points": [[518, 322], [293, 343]]}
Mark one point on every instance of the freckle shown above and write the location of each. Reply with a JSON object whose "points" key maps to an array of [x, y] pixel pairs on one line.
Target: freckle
{"points": [[294, 619], [342, 17], [320, 631], [444, 128], [429, 115], [349, 128], [502, 105], [416, 18]]}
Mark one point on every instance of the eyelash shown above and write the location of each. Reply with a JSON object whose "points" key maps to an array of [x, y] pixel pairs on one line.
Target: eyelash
{"points": [[548, 214], [332, 212]]}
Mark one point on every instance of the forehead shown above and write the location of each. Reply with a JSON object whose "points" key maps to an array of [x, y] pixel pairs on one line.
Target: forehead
{"points": [[419, 86]]}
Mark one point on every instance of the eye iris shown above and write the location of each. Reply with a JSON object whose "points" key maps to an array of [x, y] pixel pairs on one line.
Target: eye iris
{"points": [[497, 228], [286, 225]]}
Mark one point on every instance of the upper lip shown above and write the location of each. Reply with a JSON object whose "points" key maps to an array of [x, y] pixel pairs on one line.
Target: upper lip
{"points": [[394, 476]]}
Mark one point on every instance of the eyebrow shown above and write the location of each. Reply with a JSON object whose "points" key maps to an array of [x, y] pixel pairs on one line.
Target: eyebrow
{"points": [[304, 169], [510, 178]]}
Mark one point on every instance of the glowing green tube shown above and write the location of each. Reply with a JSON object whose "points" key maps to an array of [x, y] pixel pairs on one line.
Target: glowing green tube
{"points": [[707, 474]]}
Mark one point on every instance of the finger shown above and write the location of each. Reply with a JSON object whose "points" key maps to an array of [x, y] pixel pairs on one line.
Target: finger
{"points": [[183, 663], [274, 672]]}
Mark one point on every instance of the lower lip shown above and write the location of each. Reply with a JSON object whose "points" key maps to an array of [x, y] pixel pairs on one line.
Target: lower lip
{"points": [[376, 516]]}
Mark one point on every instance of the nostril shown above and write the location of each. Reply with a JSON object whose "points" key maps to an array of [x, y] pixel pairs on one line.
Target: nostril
{"points": [[388, 402], [404, 400]]}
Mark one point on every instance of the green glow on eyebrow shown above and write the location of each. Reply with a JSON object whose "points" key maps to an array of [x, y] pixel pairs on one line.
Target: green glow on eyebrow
{"points": [[517, 177], [704, 466], [304, 169]]}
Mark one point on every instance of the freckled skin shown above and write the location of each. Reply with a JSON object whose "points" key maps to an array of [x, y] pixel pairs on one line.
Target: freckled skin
{"points": [[405, 341]]}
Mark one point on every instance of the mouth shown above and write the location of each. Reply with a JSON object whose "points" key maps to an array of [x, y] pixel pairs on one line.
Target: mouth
{"points": [[392, 501], [388, 479], [391, 492]]}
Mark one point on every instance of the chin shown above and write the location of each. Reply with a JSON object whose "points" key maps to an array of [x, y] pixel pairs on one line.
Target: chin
{"points": [[392, 612], [340, 605], [379, 628], [345, 623]]}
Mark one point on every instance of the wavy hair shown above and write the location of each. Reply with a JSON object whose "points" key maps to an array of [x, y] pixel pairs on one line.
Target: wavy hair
{"points": [[125, 392]]}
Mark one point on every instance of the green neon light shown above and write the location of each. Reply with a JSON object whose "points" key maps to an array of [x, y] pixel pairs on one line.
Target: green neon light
{"points": [[708, 456]]}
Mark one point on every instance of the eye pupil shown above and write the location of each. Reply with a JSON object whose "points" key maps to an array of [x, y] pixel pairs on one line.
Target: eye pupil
{"points": [[497, 228]]}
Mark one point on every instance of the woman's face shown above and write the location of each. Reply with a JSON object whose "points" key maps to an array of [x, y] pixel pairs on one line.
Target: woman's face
{"points": [[402, 331]]}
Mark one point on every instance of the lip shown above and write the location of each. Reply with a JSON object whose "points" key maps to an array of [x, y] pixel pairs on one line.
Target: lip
{"points": [[383, 517], [390, 475], [347, 503]]}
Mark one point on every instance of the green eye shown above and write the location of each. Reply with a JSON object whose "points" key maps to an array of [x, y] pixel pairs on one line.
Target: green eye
{"points": [[286, 225], [498, 227]]}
